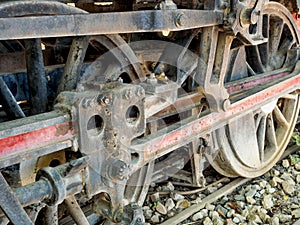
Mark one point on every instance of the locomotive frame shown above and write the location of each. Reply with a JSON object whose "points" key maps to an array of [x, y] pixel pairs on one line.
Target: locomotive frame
{"points": [[110, 132]]}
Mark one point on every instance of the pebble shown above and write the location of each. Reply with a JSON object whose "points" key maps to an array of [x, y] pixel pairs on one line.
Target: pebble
{"points": [[285, 163], [181, 204], [272, 199], [298, 179], [197, 216], [210, 207], [161, 209], [296, 213], [297, 166], [235, 220], [155, 218], [221, 210], [288, 188], [250, 200], [169, 204], [275, 221], [284, 218], [154, 197], [207, 221], [170, 186], [177, 197], [267, 202]]}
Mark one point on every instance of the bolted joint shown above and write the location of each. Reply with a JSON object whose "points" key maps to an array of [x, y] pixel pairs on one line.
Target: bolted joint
{"points": [[179, 20], [103, 100], [226, 104], [118, 170]]}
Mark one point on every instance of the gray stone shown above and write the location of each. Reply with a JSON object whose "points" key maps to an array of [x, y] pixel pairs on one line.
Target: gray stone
{"points": [[148, 213], [236, 220], [197, 200], [296, 213], [275, 221], [161, 209], [230, 213], [250, 193], [263, 183], [217, 221], [171, 214], [197, 216], [177, 197], [154, 197], [288, 187], [210, 207], [212, 189], [297, 166], [298, 179], [285, 163], [239, 197], [207, 221], [250, 200], [284, 218], [169, 204], [263, 216], [169, 186], [221, 210], [267, 202], [182, 204], [204, 212], [155, 218]]}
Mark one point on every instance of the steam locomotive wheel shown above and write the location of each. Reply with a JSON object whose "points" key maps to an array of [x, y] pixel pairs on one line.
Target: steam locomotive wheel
{"points": [[252, 144]]}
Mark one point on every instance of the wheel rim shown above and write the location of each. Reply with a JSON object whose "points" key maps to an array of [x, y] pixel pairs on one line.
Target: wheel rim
{"points": [[252, 144]]}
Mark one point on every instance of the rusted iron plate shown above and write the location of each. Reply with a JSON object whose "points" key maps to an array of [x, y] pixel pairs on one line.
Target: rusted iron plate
{"points": [[120, 22]]}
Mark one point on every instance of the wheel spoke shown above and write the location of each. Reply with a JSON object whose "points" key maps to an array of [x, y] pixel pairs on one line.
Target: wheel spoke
{"points": [[261, 134], [275, 33], [280, 117], [271, 134]]}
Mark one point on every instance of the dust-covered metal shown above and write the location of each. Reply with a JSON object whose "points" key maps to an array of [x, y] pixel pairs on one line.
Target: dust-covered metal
{"points": [[138, 91]]}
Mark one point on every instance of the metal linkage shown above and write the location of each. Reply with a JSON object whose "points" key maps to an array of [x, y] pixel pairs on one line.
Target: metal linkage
{"points": [[124, 22], [52, 187], [11, 206]]}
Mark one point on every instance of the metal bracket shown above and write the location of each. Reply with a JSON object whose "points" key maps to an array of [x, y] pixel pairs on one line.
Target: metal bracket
{"points": [[245, 20]]}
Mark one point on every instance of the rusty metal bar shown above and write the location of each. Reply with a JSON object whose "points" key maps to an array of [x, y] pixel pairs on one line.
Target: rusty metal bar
{"points": [[36, 76], [11, 206], [119, 22], [11, 106], [44, 133], [73, 65], [75, 211]]}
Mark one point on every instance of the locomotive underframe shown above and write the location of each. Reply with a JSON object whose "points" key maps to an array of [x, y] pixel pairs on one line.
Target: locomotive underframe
{"points": [[111, 151]]}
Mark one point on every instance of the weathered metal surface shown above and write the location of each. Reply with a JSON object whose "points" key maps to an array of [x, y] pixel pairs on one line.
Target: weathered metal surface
{"points": [[78, 24], [75, 211], [164, 141], [36, 76], [43, 133], [13, 110], [10, 205]]}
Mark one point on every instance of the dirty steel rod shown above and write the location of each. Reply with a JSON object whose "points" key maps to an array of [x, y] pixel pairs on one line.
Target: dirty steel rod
{"points": [[36, 76], [11, 206], [11, 106]]}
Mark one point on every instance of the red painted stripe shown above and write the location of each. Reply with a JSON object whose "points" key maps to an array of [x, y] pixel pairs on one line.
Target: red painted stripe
{"points": [[36, 139]]}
